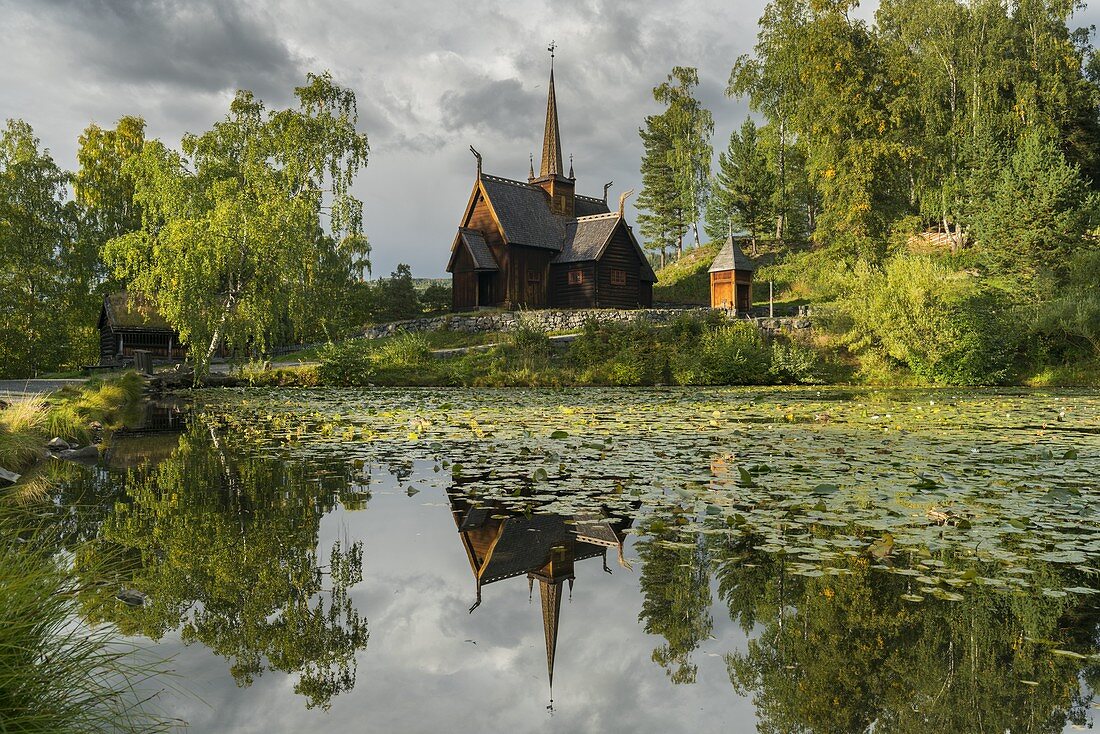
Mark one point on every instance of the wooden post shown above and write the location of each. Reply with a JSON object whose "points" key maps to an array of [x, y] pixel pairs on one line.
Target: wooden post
{"points": [[143, 361], [771, 302]]}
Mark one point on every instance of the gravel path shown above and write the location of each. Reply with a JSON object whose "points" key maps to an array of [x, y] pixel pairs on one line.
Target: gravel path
{"points": [[22, 388]]}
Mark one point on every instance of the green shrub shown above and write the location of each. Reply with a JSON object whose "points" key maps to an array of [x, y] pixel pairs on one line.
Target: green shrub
{"points": [[403, 350], [735, 354], [528, 347], [345, 363], [793, 363], [944, 326]]}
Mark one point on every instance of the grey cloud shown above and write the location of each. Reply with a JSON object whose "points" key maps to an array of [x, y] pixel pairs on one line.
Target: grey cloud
{"points": [[497, 106], [205, 46]]}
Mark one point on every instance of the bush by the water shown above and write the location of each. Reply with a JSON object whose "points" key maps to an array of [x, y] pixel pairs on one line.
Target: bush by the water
{"points": [[918, 313], [26, 425], [689, 351]]}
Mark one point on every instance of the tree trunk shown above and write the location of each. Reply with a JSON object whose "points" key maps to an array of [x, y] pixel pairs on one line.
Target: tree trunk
{"points": [[216, 339]]}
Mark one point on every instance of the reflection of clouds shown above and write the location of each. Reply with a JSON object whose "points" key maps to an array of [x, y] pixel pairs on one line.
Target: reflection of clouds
{"points": [[418, 673]]}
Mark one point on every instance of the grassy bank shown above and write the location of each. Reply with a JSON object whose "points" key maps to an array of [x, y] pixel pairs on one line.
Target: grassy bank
{"points": [[689, 351], [75, 414]]}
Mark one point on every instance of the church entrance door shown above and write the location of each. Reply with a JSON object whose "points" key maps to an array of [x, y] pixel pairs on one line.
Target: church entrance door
{"points": [[484, 289]]}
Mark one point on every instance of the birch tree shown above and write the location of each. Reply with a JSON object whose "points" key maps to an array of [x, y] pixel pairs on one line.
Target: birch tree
{"points": [[233, 244]]}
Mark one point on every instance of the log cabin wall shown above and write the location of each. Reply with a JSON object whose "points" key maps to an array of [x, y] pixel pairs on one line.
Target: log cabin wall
{"points": [[621, 256], [463, 281], [573, 285], [526, 276]]}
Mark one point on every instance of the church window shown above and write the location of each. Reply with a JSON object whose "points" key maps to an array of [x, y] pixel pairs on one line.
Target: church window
{"points": [[576, 277], [534, 276], [618, 277]]}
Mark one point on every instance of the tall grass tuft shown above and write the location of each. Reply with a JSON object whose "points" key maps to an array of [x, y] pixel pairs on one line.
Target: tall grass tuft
{"points": [[404, 350], [21, 430], [57, 675]]}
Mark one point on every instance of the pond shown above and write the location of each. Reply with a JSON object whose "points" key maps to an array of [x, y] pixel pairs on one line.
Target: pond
{"points": [[606, 560]]}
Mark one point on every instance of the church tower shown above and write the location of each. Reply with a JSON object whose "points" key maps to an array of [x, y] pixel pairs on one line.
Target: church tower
{"points": [[552, 178]]}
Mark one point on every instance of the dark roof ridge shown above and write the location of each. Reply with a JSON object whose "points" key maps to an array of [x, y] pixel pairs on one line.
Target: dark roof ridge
{"points": [[597, 216], [594, 199], [502, 179]]}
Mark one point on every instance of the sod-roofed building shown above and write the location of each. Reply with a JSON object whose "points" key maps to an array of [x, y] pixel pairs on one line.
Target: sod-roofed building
{"points": [[128, 324], [539, 244]]}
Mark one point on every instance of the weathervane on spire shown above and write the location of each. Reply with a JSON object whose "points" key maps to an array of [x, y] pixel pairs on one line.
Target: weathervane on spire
{"points": [[553, 45]]}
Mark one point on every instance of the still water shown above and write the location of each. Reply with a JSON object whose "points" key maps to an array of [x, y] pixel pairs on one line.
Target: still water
{"points": [[606, 560]]}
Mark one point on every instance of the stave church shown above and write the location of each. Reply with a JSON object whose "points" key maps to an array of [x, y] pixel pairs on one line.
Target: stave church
{"points": [[539, 244]]}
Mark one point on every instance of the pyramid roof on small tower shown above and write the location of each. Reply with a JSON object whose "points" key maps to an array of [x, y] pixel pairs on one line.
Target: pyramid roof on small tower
{"points": [[731, 257]]}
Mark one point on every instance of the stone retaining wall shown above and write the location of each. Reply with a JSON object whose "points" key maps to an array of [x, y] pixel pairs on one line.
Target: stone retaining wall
{"points": [[560, 320]]}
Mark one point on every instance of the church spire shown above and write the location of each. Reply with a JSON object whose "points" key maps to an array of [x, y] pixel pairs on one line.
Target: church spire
{"points": [[551, 141]]}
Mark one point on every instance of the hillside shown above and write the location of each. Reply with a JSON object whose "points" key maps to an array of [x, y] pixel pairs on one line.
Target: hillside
{"points": [[685, 280]]}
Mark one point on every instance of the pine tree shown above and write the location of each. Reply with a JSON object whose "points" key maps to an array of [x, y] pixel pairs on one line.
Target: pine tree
{"points": [[1040, 212], [743, 188], [660, 220]]}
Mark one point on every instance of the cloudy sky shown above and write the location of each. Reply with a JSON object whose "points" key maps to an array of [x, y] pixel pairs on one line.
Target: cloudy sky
{"points": [[431, 76]]}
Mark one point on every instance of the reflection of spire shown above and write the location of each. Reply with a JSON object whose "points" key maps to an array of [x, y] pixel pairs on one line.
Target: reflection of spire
{"points": [[500, 544], [551, 609]]}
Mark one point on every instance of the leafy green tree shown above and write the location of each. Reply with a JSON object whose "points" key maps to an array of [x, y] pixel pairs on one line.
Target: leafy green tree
{"points": [[104, 193], [436, 298], [771, 80], [397, 297], [1039, 215], [41, 271], [744, 187], [676, 163], [229, 248]]}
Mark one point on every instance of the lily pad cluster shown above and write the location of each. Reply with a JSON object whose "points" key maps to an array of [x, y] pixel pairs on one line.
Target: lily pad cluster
{"points": [[949, 489]]}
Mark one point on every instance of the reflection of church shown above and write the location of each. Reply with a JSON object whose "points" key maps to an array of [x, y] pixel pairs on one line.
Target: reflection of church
{"points": [[502, 544]]}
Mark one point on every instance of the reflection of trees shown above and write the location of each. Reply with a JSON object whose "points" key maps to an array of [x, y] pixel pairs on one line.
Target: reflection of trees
{"points": [[675, 582], [224, 543], [845, 653]]}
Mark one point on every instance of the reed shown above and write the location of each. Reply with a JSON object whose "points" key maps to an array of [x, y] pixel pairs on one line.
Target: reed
{"points": [[57, 674]]}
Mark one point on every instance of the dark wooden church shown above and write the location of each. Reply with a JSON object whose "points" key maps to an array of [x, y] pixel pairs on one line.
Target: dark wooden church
{"points": [[539, 244]]}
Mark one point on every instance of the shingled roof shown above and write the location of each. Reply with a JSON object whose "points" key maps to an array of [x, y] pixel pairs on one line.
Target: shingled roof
{"points": [[478, 249], [524, 213], [731, 257], [587, 206], [586, 237]]}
